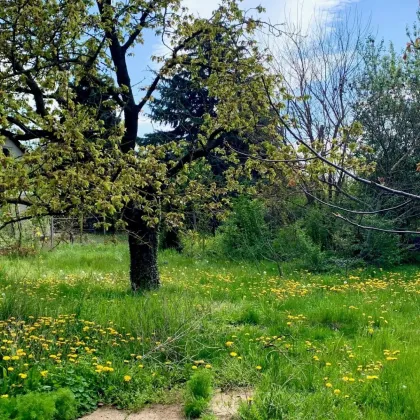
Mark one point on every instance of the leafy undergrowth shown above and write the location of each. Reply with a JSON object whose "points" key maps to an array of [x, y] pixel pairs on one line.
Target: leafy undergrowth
{"points": [[311, 346]]}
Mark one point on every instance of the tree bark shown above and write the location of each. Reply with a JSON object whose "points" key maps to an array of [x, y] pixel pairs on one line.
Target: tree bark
{"points": [[143, 246]]}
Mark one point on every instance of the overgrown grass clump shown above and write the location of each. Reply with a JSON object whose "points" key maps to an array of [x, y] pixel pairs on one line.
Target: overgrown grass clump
{"points": [[315, 346]]}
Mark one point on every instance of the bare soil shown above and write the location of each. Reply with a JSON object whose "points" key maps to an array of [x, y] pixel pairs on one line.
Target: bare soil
{"points": [[224, 405]]}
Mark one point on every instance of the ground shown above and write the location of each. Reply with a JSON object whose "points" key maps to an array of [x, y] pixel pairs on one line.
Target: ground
{"points": [[305, 345]]}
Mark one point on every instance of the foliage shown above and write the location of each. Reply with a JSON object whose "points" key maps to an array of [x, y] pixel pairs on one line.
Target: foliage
{"points": [[35, 406], [198, 394], [388, 94], [82, 163], [245, 234], [292, 243], [65, 404], [58, 405]]}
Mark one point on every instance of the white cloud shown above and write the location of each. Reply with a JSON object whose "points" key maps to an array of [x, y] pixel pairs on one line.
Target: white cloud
{"points": [[300, 12]]}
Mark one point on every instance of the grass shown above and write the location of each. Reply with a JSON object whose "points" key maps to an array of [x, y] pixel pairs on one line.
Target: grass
{"points": [[312, 346]]}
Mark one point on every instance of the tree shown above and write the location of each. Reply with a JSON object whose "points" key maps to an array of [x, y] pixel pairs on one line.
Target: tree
{"points": [[49, 48], [387, 106], [317, 70]]}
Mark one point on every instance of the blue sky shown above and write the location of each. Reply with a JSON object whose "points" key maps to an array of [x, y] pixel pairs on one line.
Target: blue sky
{"points": [[388, 20]]}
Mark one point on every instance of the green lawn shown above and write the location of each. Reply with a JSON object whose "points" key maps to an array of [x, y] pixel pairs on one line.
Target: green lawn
{"points": [[311, 346]]}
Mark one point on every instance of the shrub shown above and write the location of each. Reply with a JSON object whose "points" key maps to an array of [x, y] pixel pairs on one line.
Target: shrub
{"points": [[35, 406], [65, 404], [194, 407], [198, 394], [245, 233], [7, 408], [292, 243]]}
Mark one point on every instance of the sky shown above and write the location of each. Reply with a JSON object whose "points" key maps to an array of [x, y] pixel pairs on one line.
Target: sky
{"points": [[388, 20]]}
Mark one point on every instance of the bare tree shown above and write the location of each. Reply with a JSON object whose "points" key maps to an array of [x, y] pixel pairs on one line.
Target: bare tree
{"points": [[317, 69]]}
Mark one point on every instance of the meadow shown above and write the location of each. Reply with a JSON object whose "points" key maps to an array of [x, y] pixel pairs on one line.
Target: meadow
{"points": [[310, 346]]}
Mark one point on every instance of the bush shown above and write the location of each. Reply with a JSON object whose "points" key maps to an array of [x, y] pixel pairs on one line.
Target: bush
{"points": [[35, 406], [292, 243], [198, 394], [380, 248], [65, 404], [58, 405], [194, 407], [245, 233]]}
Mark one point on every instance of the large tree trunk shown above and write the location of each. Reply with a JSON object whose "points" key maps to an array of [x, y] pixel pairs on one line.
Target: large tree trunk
{"points": [[143, 245]]}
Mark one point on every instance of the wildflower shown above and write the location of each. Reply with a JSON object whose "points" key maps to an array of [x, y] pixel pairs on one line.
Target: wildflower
{"points": [[328, 364], [6, 358], [328, 385], [141, 366], [233, 354], [10, 369], [44, 373], [194, 367], [5, 396], [127, 378], [23, 375], [229, 343], [337, 392], [208, 366], [258, 367], [371, 377]]}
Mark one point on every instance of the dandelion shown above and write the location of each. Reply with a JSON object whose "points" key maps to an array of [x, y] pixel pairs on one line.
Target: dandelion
{"points": [[229, 343], [44, 373], [337, 392], [127, 378], [328, 385], [10, 369], [372, 377], [23, 375], [6, 358], [5, 396], [194, 367], [258, 367], [208, 366], [233, 354]]}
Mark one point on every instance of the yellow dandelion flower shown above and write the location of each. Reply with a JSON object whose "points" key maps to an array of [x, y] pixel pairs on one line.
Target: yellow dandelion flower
{"points": [[337, 392], [258, 367], [233, 354], [127, 378], [328, 385], [23, 375], [44, 373]]}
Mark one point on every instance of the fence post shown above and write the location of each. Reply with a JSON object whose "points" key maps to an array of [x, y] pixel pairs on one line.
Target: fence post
{"points": [[52, 231]]}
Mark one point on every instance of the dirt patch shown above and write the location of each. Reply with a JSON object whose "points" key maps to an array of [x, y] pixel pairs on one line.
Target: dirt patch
{"points": [[152, 412], [224, 405]]}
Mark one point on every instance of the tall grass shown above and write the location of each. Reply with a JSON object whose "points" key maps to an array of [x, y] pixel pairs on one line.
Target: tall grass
{"points": [[310, 345]]}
